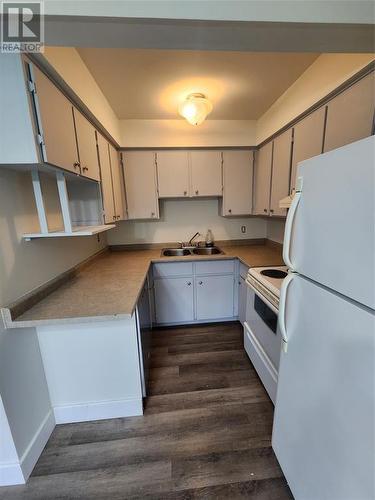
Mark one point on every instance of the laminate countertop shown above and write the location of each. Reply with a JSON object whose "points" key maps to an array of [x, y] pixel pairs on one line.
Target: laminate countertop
{"points": [[108, 287]]}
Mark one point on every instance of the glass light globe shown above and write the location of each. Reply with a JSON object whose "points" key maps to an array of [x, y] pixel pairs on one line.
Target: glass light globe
{"points": [[195, 108]]}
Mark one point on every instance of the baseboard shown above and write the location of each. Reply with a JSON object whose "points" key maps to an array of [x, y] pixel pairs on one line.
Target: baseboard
{"points": [[98, 410], [37, 444], [11, 474]]}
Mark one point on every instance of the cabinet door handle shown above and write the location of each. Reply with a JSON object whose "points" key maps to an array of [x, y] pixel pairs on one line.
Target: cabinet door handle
{"points": [[75, 164], [230, 211], [152, 214], [200, 283], [185, 193], [188, 283], [196, 192], [84, 168], [265, 210], [271, 211], [114, 217]]}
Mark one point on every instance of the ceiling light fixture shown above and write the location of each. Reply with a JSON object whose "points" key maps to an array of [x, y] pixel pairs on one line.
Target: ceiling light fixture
{"points": [[195, 108]]}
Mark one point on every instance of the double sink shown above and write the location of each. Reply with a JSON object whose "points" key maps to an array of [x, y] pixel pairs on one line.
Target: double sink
{"points": [[180, 252]]}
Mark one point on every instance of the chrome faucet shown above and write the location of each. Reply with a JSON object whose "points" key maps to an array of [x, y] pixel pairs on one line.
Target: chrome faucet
{"points": [[191, 239]]}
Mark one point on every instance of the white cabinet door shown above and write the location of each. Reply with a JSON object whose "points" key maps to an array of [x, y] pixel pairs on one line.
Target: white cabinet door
{"points": [[206, 173], [237, 183], [86, 141], [118, 184], [174, 300], [242, 290], [140, 185], [106, 180], [173, 173], [307, 141], [263, 167], [214, 297], [55, 113], [281, 160], [350, 115]]}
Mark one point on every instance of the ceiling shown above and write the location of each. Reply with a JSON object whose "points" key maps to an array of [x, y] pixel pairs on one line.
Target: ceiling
{"points": [[150, 84]]}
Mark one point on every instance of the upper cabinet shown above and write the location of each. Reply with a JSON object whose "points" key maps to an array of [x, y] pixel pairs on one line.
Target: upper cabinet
{"points": [[307, 140], [206, 173], [87, 149], [263, 170], [54, 114], [118, 183], [106, 181], [281, 161], [237, 183], [350, 115], [173, 173], [141, 185]]}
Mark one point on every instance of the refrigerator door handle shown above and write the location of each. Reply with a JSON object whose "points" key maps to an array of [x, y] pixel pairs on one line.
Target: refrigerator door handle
{"points": [[282, 308], [289, 225]]}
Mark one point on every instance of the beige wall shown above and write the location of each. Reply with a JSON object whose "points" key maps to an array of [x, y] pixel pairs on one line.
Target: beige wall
{"points": [[26, 265], [180, 219], [68, 63], [169, 133], [324, 75], [275, 230]]}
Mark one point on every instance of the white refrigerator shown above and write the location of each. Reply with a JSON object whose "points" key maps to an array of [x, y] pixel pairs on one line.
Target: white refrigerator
{"points": [[324, 423]]}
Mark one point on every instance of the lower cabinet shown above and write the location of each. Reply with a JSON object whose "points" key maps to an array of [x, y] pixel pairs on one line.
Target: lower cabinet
{"points": [[214, 297], [187, 292], [174, 300]]}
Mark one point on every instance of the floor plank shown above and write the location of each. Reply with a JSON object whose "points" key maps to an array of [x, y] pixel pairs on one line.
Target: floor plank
{"points": [[205, 433]]}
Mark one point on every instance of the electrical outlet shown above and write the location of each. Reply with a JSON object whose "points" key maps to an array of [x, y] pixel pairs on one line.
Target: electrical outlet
{"points": [[243, 229]]}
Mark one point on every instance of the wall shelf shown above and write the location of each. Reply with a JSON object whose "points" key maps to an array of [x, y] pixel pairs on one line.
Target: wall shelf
{"points": [[76, 231]]}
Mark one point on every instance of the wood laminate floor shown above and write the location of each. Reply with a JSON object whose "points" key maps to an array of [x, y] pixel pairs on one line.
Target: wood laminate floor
{"points": [[206, 432]]}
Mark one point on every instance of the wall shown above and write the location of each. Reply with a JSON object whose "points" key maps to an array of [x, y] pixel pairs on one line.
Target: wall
{"points": [[26, 265], [169, 133], [68, 63], [275, 230], [180, 219], [326, 73]]}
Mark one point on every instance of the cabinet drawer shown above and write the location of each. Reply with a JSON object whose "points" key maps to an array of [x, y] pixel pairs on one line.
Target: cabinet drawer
{"points": [[243, 270], [172, 269], [214, 267]]}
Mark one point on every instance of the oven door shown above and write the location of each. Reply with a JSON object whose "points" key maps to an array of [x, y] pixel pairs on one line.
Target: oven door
{"points": [[262, 321]]}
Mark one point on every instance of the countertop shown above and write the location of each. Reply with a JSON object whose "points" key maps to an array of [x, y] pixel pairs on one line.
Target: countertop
{"points": [[110, 285]]}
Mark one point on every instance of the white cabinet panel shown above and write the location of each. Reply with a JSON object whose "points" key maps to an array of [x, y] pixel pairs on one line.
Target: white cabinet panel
{"points": [[308, 140], [350, 115], [214, 297], [174, 300], [162, 269], [140, 185], [263, 167], [86, 140], [237, 183], [118, 184], [173, 173], [56, 116], [106, 180], [281, 160], [206, 174]]}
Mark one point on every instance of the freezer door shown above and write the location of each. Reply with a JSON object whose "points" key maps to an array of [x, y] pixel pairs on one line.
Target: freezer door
{"points": [[330, 233], [323, 431]]}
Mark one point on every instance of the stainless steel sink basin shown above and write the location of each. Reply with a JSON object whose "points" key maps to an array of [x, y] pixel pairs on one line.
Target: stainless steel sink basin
{"points": [[175, 252], [207, 251]]}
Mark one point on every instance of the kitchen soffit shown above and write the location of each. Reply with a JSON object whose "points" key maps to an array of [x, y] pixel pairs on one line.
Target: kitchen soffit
{"points": [[150, 84]]}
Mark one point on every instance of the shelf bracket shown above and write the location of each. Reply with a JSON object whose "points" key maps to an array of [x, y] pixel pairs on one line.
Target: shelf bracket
{"points": [[64, 201], [39, 201]]}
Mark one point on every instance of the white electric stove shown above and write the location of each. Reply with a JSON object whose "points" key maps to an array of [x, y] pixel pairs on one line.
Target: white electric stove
{"points": [[267, 282]]}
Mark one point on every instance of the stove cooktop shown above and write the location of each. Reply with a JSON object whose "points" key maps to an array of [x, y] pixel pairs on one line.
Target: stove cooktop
{"points": [[270, 277]]}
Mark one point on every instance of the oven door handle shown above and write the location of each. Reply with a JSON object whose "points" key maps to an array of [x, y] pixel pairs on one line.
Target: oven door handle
{"points": [[282, 310]]}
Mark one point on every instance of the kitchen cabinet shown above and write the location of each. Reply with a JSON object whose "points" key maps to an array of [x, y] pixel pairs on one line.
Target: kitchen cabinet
{"points": [[237, 183], [214, 297], [307, 141], [118, 184], [350, 115], [55, 122], [206, 173], [87, 150], [106, 180], [144, 328], [263, 169], [173, 173], [281, 162], [141, 185], [174, 300]]}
